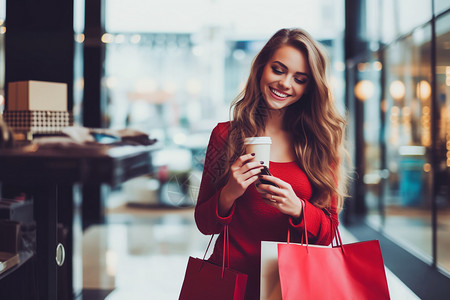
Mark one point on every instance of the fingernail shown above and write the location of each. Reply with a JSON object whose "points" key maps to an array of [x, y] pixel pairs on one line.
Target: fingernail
{"points": [[261, 162], [253, 154]]}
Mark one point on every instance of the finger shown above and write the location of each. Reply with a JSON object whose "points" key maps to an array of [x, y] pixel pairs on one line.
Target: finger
{"points": [[268, 188], [263, 188], [241, 161], [260, 190], [275, 180], [247, 182], [271, 203], [272, 198], [253, 171], [252, 165], [279, 200]]}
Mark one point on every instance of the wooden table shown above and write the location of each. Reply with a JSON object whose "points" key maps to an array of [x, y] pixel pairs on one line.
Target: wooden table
{"points": [[40, 170]]}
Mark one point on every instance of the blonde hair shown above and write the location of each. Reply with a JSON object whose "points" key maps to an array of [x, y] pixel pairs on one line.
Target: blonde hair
{"points": [[314, 122]]}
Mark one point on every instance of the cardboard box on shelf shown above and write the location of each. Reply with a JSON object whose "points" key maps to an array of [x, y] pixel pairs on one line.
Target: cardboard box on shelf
{"points": [[38, 121], [37, 95], [12, 96]]}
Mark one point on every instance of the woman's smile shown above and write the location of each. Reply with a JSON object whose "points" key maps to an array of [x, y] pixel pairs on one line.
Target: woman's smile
{"points": [[279, 95]]}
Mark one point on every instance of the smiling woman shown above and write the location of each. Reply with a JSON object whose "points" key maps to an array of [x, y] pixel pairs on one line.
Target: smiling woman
{"points": [[287, 99], [173, 67]]}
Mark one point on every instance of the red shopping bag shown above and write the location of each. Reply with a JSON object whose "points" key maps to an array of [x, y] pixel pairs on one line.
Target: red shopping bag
{"points": [[351, 271], [204, 280]]}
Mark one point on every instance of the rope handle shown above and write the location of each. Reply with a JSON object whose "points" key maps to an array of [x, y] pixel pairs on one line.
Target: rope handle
{"points": [[337, 237], [210, 240], [305, 235], [334, 228], [226, 249]]}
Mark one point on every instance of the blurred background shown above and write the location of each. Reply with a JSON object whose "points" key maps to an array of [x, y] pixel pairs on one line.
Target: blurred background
{"points": [[171, 69]]}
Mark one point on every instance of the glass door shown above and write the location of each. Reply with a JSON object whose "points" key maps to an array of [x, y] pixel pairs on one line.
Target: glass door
{"points": [[368, 92], [442, 183], [407, 105]]}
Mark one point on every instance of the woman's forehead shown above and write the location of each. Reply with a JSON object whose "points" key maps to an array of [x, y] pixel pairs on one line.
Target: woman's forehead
{"points": [[292, 58]]}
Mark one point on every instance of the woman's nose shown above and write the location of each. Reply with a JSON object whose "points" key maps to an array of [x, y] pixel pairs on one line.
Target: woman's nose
{"points": [[285, 82]]}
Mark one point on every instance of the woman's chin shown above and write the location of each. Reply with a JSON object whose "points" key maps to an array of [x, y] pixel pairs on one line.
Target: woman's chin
{"points": [[276, 105]]}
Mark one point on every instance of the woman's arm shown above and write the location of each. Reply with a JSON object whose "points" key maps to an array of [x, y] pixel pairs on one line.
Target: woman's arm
{"points": [[206, 214], [216, 202]]}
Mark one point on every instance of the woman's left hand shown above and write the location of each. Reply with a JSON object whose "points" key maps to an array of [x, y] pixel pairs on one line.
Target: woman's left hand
{"points": [[282, 197]]}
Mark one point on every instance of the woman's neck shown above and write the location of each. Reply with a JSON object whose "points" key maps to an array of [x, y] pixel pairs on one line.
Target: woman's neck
{"points": [[274, 121], [282, 149]]}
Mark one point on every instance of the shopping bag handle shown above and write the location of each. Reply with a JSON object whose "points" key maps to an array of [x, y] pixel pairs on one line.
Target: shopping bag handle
{"points": [[305, 235], [226, 249], [334, 228], [337, 236]]}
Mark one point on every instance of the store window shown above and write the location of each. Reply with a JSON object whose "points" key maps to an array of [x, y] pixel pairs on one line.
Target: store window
{"points": [[405, 165], [367, 90], [400, 17], [440, 6], [443, 140], [406, 104]]}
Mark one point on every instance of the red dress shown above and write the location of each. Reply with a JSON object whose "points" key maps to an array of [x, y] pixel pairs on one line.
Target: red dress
{"points": [[251, 220]]}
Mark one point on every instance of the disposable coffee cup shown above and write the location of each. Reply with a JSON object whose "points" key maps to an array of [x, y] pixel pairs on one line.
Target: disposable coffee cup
{"points": [[260, 145]]}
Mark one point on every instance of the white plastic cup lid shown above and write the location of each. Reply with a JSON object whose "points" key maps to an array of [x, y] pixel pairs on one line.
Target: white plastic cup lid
{"points": [[258, 140]]}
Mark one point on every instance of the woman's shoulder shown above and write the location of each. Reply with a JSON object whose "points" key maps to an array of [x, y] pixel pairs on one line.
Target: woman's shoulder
{"points": [[223, 125], [221, 130]]}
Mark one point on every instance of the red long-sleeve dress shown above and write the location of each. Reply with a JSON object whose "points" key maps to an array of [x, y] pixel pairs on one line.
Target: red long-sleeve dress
{"points": [[251, 220]]}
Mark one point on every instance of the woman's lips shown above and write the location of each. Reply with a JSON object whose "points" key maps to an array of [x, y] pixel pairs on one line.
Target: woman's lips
{"points": [[278, 94]]}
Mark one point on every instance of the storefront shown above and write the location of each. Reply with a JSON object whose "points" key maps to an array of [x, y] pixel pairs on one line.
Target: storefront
{"points": [[398, 95]]}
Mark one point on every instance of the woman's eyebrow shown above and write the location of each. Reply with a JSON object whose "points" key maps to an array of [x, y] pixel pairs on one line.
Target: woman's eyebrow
{"points": [[285, 67]]}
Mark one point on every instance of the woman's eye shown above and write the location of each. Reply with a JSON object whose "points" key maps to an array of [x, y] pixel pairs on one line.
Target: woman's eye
{"points": [[277, 71], [300, 81]]}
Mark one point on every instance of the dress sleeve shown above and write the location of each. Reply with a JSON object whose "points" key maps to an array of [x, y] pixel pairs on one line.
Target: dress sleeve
{"points": [[207, 208], [319, 222]]}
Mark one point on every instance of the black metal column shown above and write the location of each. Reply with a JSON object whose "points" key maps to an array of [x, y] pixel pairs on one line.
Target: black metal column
{"points": [[94, 100], [94, 54], [354, 47]]}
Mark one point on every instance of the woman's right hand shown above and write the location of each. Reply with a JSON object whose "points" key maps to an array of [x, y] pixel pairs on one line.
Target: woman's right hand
{"points": [[243, 173]]}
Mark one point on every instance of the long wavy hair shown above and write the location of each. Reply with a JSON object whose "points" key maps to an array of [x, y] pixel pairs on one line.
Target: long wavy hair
{"points": [[316, 126]]}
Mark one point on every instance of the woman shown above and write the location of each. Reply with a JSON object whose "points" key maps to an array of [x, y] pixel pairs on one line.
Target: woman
{"points": [[287, 98]]}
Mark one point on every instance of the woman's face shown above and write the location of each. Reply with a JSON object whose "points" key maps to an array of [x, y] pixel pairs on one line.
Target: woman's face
{"points": [[285, 77]]}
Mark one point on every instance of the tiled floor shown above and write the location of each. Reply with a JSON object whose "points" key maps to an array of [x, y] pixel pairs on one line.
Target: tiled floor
{"points": [[142, 253], [412, 229], [141, 257]]}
